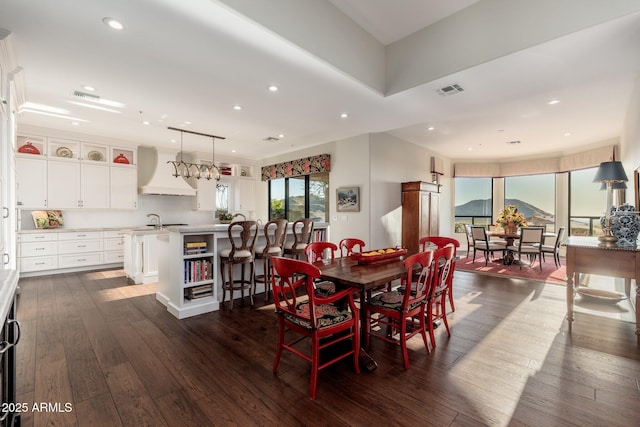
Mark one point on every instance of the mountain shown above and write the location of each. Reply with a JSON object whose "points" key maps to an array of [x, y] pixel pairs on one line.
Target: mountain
{"points": [[482, 207]]}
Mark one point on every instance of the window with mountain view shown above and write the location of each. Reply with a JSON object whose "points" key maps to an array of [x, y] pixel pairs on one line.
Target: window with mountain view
{"points": [[300, 197], [473, 201], [534, 196], [586, 203]]}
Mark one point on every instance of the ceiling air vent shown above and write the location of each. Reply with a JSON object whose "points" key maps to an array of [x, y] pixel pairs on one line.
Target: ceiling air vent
{"points": [[271, 139], [85, 95], [513, 142], [450, 90]]}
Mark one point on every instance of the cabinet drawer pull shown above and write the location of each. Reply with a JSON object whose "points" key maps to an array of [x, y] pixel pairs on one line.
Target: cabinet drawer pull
{"points": [[40, 249], [81, 259], [38, 237], [81, 235], [82, 246], [6, 212], [40, 263], [6, 258]]}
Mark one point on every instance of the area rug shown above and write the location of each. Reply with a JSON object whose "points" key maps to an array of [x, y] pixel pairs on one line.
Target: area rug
{"points": [[550, 273]]}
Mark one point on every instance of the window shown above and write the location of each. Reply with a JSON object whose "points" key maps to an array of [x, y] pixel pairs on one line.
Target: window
{"points": [[222, 198], [586, 203], [534, 196], [300, 197], [474, 201]]}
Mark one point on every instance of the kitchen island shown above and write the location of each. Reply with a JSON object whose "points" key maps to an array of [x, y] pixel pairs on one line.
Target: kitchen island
{"points": [[188, 259]]}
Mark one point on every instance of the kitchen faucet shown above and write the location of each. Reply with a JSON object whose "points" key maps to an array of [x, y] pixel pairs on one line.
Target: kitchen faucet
{"points": [[158, 222]]}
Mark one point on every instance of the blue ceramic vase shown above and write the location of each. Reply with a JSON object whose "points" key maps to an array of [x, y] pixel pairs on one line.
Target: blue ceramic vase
{"points": [[625, 224]]}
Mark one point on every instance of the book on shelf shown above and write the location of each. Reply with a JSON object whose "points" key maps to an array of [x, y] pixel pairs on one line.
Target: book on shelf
{"points": [[197, 270], [191, 295], [191, 245], [195, 251]]}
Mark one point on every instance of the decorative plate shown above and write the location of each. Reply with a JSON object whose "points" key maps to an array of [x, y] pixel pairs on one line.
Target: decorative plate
{"points": [[601, 296], [64, 152], [96, 156]]}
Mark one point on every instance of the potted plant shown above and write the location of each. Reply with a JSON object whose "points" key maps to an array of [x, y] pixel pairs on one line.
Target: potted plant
{"points": [[225, 217], [510, 219]]}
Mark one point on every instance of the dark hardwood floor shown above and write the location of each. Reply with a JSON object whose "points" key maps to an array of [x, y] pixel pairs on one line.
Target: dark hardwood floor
{"points": [[119, 358]]}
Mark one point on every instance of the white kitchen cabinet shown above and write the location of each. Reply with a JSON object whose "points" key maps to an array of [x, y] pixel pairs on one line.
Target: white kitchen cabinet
{"points": [[205, 199], [77, 185], [31, 182], [113, 247], [244, 199], [141, 257], [94, 186], [63, 178], [123, 187], [38, 252], [79, 249]]}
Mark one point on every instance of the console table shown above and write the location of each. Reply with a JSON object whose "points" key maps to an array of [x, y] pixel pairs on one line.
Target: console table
{"points": [[585, 255]]}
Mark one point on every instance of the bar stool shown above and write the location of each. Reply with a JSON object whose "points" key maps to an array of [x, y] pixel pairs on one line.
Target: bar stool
{"points": [[275, 232], [242, 236], [302, 233]]}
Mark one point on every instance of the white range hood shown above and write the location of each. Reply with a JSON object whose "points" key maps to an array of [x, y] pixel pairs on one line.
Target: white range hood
{"points": [[155, 175]]}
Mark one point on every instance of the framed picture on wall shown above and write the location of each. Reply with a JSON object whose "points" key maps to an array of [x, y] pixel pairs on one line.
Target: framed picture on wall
{"points": [[348, 199]]}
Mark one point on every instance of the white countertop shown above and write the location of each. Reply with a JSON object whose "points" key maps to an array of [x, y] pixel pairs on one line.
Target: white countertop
{"points": [[8, 286]]}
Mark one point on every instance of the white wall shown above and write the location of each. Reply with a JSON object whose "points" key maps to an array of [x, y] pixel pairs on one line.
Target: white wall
{"points": [[630, 141], [394, 161]]}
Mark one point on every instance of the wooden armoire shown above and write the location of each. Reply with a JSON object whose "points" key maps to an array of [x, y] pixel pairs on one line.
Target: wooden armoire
{"points": [[420, 206]]}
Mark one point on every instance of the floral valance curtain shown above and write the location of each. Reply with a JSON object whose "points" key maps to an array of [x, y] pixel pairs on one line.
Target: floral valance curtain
{"points": [[306, 166]]}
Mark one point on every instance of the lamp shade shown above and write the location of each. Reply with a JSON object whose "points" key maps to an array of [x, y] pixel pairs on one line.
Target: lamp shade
{"points": [[610, 172], [614, 186]]}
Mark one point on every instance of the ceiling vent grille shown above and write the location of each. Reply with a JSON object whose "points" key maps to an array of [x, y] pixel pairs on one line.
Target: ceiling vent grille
{"points": [[271, 139], [86, 96], [516, 142], [450, 90]]}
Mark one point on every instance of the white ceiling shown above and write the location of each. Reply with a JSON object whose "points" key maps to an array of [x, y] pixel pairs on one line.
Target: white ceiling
{"points": [[194, 60]]}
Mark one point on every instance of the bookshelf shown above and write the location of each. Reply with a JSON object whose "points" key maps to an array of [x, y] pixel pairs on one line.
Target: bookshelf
{"points": [[186, 283]]}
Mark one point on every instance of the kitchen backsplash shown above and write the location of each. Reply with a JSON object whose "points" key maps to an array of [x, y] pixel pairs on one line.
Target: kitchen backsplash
{"points": [[172, 210]]}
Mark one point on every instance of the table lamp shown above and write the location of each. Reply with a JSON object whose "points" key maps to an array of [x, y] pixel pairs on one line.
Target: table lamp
{"points": [[609, 173]]}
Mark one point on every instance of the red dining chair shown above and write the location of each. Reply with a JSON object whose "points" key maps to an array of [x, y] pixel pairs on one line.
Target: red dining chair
{"points": [[399, 309], [326, 321], [437, 297], [317, 251], [350, 245], [441, 242]]}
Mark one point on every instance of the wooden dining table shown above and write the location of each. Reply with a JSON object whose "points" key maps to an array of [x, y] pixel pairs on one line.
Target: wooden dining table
{"points": [[347, 273], [510, 239]]}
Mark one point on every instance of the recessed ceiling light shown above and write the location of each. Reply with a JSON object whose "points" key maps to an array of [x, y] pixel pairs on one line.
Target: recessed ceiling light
{"points": [[237, 107], [567, 134], [281, 135], [469, 149], [273, 88], [344, 115], [430, 128], [75, 123], [113, 23], [187, 123], [89, 88], [233, 151], [553, 102], [146, 123]]}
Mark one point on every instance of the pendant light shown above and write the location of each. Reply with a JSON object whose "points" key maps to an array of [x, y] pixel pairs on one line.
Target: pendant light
{"points": [[196, 170]]}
